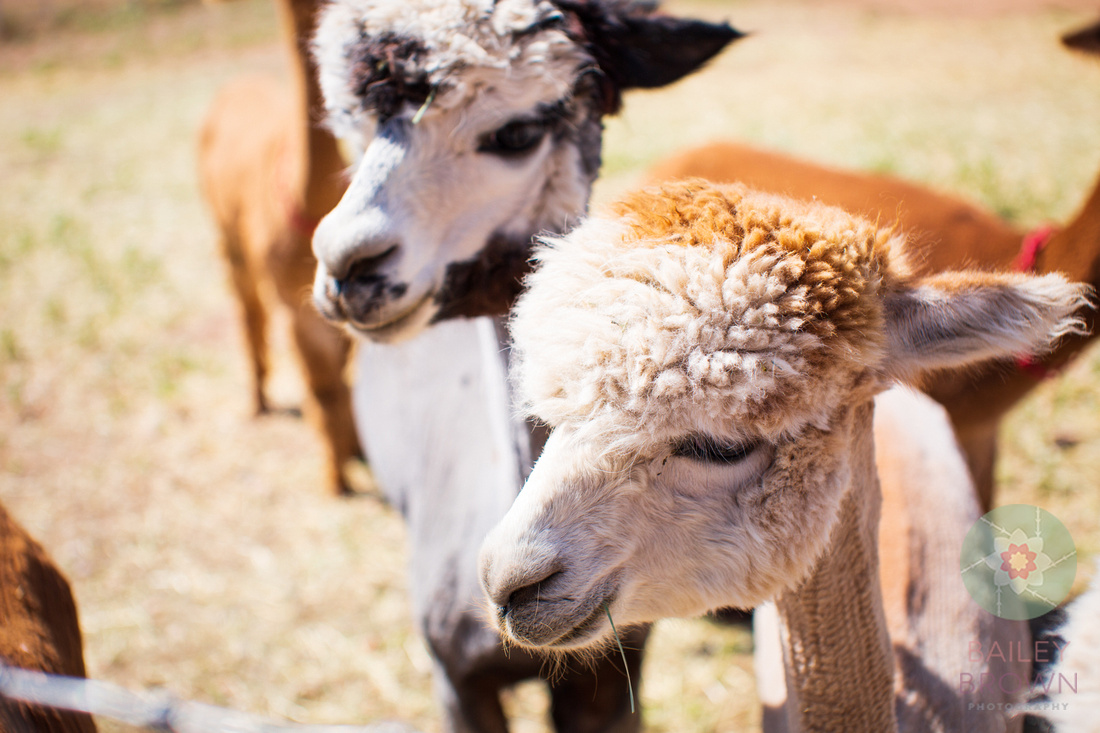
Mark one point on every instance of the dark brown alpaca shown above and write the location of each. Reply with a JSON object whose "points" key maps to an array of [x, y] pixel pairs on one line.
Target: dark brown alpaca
{"points": [[39, 629]]}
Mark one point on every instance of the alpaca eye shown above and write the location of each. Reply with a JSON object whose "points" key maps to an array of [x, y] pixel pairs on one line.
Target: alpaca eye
{"points": [[709, 450], [514, 138]]}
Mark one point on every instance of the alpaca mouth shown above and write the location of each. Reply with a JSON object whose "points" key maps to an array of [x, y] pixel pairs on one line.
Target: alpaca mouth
{"points": [[590, 630], [396, 326], [372, 303], [585, 633]]}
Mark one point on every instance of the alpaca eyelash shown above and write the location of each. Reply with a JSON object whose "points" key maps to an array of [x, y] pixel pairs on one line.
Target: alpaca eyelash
{"points": [[707, 449], [524, 134], [515, 138]]}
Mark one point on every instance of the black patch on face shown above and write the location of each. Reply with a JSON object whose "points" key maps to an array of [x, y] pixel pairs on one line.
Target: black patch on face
{"points": [[486, 285], [387, 73], [587, 128]]}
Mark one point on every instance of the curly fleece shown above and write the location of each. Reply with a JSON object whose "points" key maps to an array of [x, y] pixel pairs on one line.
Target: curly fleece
{"points": [[357, 41], [702, 304]]}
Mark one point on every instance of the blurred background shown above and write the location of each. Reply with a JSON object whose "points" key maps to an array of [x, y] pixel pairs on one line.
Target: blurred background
{"points": [[204, 553]]}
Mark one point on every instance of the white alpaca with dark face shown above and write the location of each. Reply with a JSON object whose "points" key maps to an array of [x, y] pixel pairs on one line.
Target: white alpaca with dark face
{"points": [[480, 126]]}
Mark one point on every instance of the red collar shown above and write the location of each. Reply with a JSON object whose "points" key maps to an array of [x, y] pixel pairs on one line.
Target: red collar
{"points": [[1034, 242], [300, 223]]}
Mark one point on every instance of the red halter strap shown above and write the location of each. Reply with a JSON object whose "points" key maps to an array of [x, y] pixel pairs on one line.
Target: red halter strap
{"points": [[1032, 244], [299, 222]]}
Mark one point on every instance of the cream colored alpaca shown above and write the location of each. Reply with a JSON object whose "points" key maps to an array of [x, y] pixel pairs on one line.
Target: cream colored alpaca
{"points": [[708, 359]]}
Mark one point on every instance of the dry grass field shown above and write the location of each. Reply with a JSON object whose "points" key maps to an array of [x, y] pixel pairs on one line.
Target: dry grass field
{"points": [[203, 553]]}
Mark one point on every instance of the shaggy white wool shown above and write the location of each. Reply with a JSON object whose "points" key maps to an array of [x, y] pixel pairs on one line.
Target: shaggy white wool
{"points": [[442, 78], [486, 41], [642, 341], [749, 324]]}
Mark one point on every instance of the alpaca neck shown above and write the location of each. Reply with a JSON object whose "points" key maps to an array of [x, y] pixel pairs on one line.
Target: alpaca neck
{"points": [[1075, 250], [318, 184], [837, 652]]}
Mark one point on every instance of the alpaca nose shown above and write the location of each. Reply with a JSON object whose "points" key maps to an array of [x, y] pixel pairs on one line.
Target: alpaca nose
{"points": [[519, 582], [361, 232], [526, 594], [362, 274], [349, 240]]}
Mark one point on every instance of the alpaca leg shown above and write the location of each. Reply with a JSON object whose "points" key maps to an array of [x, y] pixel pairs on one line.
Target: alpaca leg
{"points": [[979, 445], [767, 659], [596, 699], [470, 704], [253, 313], [323, 352]]}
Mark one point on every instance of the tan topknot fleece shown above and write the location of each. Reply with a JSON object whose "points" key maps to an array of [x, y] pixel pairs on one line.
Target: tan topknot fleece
{"points": [[702, 301]]}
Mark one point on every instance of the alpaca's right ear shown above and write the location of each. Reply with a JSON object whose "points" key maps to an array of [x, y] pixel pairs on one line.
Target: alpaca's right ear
{"points": [[639, 48], [1087, 39], [954, 319]]}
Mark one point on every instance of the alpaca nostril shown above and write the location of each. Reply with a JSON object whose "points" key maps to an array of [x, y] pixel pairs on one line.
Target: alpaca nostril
{"points": [[363, 270], [529, 593]]}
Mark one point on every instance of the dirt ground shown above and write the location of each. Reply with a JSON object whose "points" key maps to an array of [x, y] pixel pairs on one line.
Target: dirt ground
{"points": [[204, 555]]}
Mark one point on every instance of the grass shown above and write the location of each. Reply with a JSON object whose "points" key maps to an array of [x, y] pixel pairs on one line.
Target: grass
{"points": [[203, 554]]}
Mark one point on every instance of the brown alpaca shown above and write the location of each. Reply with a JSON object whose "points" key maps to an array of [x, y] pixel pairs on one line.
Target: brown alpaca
{"points": [[39, 629], [944, 233], [269, 174]]}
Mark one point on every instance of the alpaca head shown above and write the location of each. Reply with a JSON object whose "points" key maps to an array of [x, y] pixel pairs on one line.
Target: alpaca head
{"points": [[700, 356], [480, 126]]}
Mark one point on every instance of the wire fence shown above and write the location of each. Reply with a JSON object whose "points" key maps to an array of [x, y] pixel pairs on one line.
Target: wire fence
{"points": [[158, 711]]}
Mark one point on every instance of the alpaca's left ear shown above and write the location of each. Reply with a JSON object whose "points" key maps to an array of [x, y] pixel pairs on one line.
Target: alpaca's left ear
{"points": [[954, 319], [639, 48]]}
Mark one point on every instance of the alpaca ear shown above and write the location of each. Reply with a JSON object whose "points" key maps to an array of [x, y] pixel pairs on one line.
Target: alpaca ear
{"points": [[639, 48], [954, 319], [1086, 39]]}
